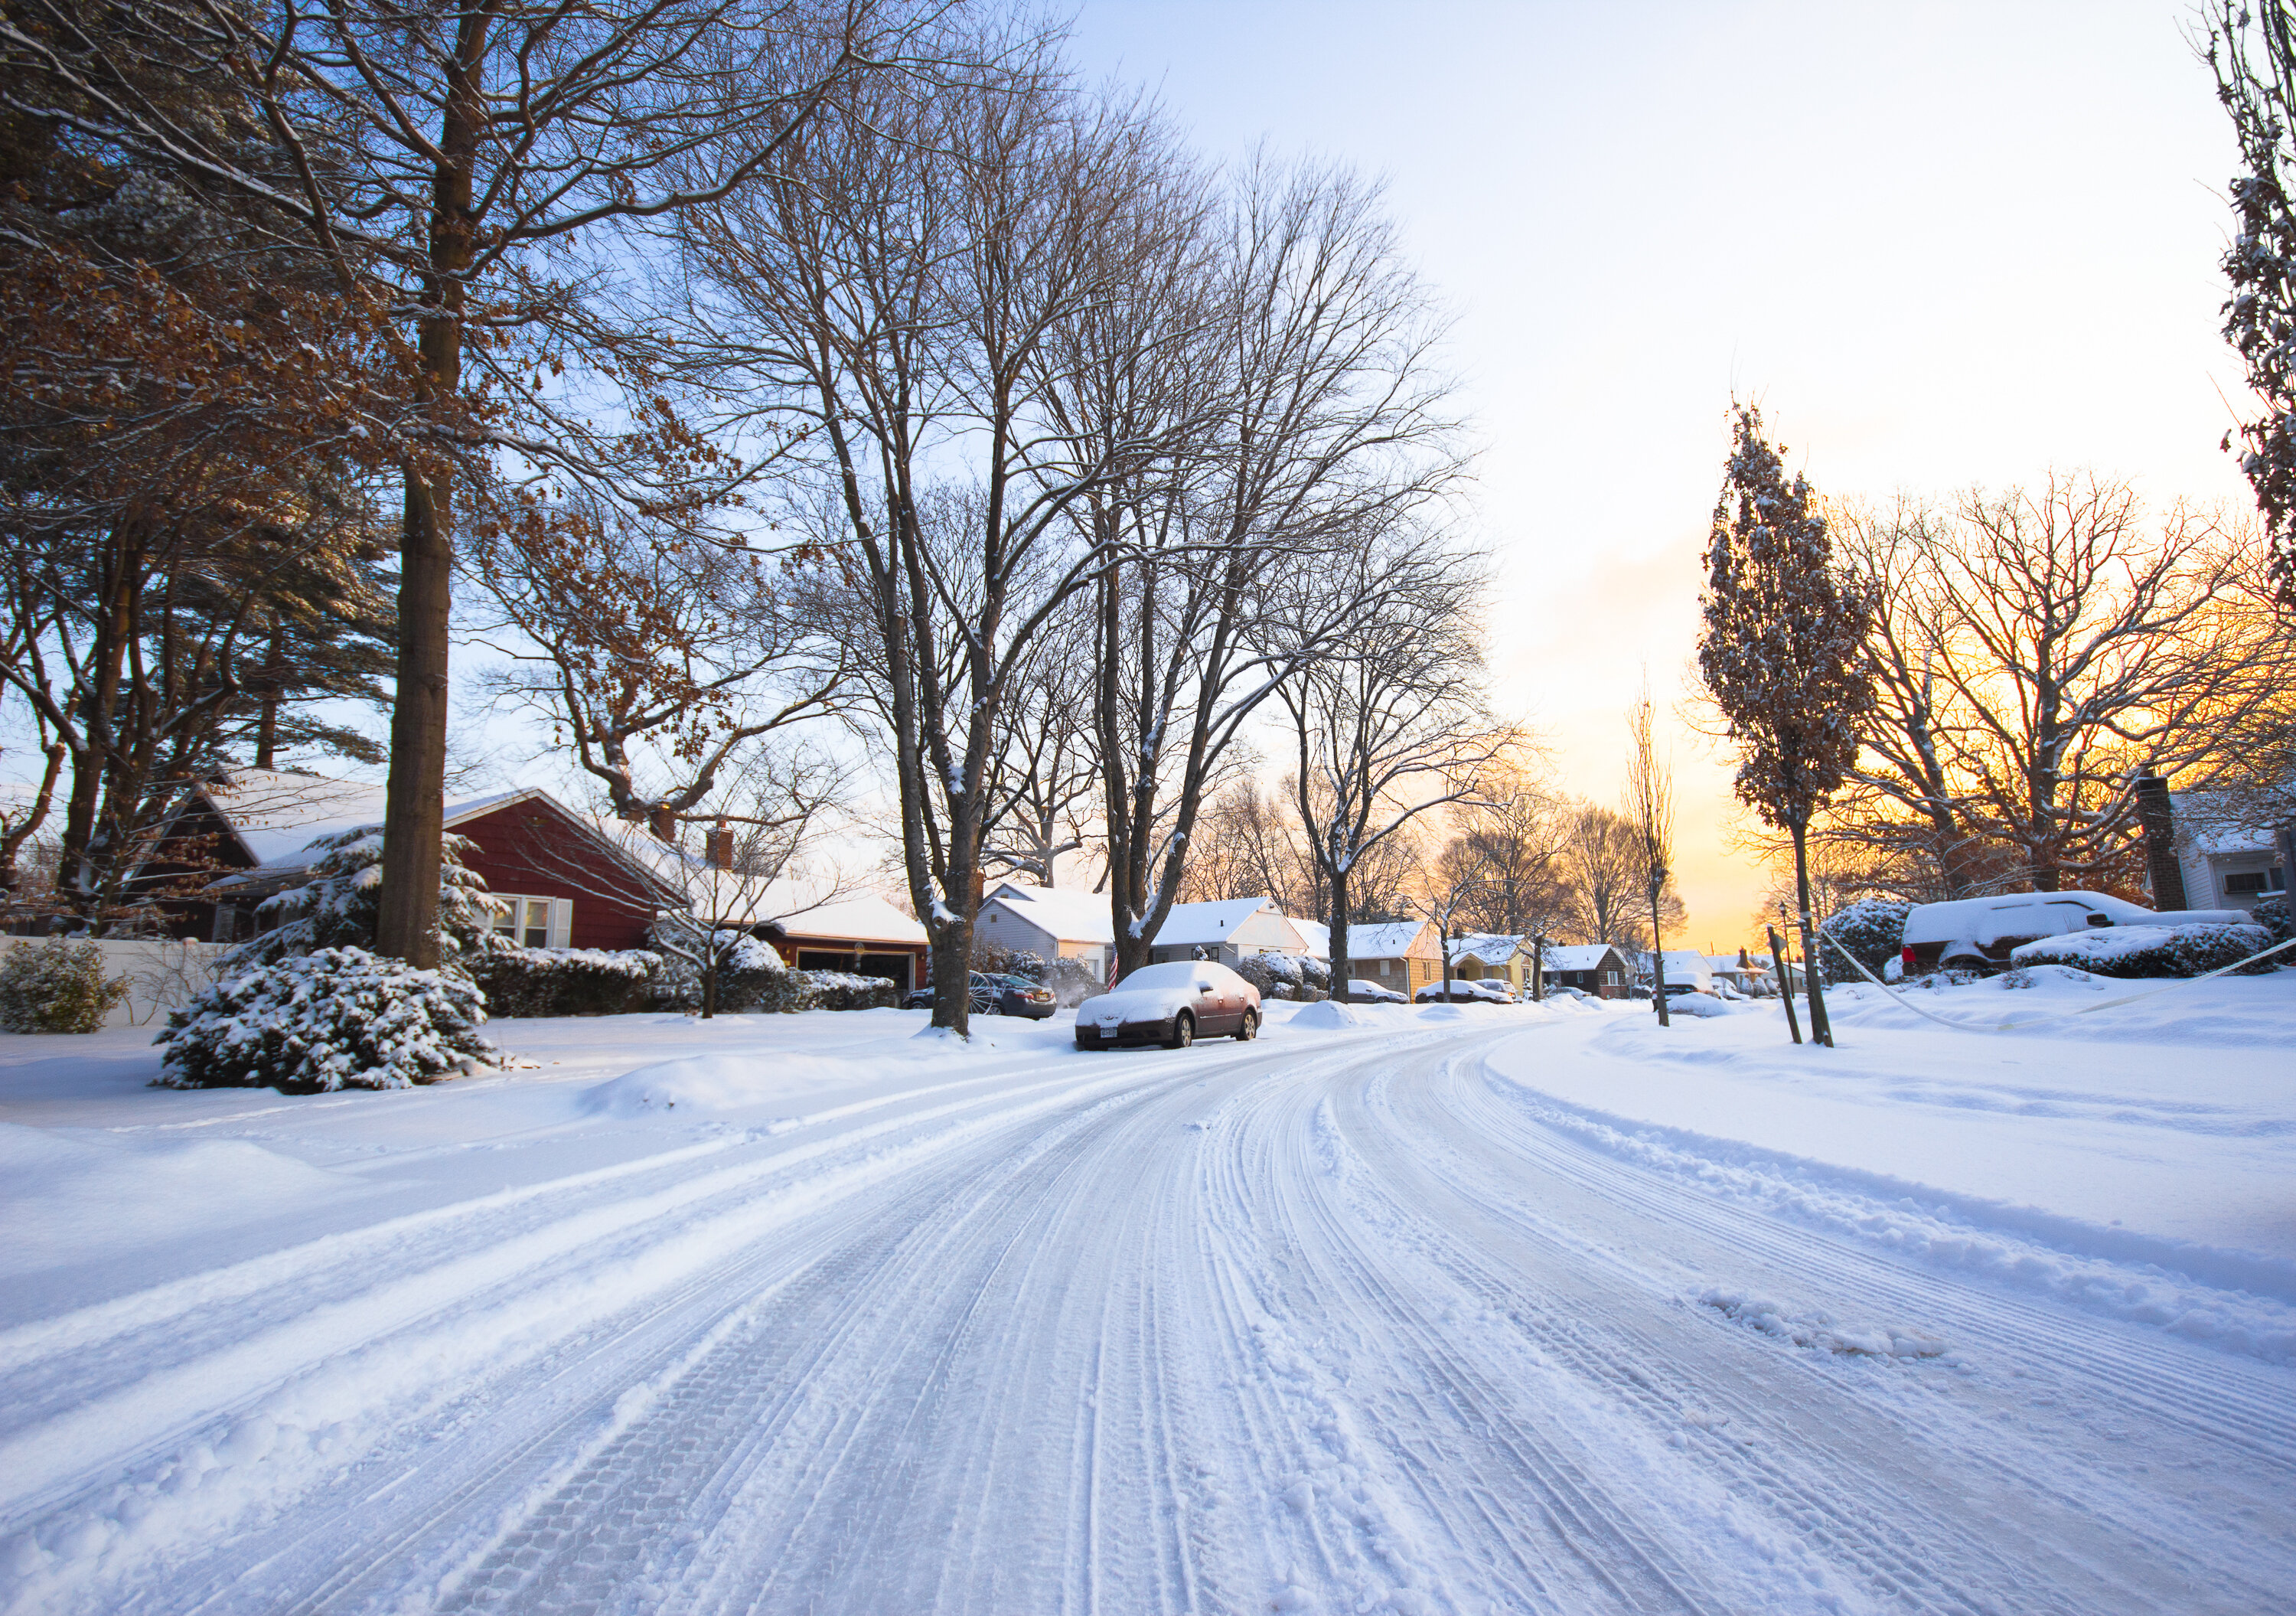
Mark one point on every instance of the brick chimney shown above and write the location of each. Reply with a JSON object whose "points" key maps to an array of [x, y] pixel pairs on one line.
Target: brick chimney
{"points": [[718, 845], [663, 822], [2158, 816]]}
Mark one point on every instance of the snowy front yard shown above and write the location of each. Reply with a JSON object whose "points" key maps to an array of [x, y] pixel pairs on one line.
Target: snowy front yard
{"points": [[1459, 1309]]}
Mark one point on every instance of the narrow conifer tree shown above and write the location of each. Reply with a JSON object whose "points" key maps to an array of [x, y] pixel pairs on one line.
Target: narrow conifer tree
{"points": [[1779, 653]]}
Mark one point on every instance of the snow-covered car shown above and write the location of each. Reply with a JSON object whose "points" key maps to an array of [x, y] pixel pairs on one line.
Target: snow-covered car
{"points": [[1979, 933], [1696, 1003], [1174, 1004], [1482, 991], [1371, 993], [994, 994]]}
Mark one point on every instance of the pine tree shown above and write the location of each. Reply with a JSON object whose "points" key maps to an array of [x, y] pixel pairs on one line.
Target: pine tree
{"points": [[1779, 650]]}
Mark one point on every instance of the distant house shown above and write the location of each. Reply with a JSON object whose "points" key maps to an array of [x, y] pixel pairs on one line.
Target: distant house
{"points": [[861, 934], [1229, 930], [1051, 922], [1404, 955], [239, 839], [1493, 955], [1682, 965], [1747, 973], [1600, 969]]}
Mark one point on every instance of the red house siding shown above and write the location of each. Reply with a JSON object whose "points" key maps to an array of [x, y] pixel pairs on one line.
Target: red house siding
{"points": [[531, 848]]}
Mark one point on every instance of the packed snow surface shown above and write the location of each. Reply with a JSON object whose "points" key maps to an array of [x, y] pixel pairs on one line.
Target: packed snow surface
{"points": [[1464, 1307]]}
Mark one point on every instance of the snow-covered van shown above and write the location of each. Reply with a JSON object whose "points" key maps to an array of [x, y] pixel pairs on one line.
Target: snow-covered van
{"points": [[1977, 933]]}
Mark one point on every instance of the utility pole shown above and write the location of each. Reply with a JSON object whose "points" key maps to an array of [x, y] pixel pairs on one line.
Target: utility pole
{"points": [[1786, 977]]}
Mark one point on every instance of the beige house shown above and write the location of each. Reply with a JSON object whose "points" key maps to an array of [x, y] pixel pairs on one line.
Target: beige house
{"points": [[1404, 955], [1493, 955]]}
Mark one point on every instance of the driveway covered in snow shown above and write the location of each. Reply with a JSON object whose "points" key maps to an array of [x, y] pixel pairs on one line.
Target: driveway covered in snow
{"points": [[1462, 1309]]}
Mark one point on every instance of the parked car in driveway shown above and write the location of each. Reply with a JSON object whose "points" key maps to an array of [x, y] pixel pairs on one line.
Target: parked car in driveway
{"points": [[1174, 1004], [1482, 991], [1372, 993], [994, 994], [1979, 933]]}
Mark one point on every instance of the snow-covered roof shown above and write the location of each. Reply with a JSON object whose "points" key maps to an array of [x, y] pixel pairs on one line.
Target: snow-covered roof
{"points": [[276, 816], [1490, 947], [1315, 934], [1577, 956], [1198, 924], [801, 905], [1389, 941], [861, 917], [1070, 916], [2216, 823]]}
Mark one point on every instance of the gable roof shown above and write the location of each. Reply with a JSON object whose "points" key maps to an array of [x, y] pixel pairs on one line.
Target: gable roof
{"points": [[1389, 941], [1198, 924], [278, 819], [1491, 947], [1315, 934], [1059, 912], [1580, 956]]}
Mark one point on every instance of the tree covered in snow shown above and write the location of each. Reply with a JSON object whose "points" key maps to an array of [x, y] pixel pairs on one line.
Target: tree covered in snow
{"points": [[337, 907], [1782, 648], [2251, 46], [337, 1018]]}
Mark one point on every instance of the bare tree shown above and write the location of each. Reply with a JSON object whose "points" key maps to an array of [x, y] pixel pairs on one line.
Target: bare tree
{"points": [[1302, 352], [666, 667], [1650, 811], [1606, 874], [2081, 652], [1514, 840], [903, 286], [1397, 726]]}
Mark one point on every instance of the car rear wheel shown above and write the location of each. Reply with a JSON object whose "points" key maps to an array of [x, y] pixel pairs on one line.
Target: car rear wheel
{"points": [[1249, 1029], [1184, 1031]]}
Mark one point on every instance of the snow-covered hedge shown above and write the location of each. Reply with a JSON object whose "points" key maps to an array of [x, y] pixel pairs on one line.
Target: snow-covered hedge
{"points": [[2133, 951], [2272, 914], [567, 981], [337, 1018], [1872, 928], [57, 987], [839, 990], [1287, 976]]}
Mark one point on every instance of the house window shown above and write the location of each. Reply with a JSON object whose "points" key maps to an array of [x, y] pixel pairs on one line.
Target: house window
{"points": [[2255, 883], [534, 923]]}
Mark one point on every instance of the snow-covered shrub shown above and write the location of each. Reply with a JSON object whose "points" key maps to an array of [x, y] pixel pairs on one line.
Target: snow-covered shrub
{"points": [[750, 973], [567, 981], [2133, 951], [1285, 976], [57, 987], [336, 1018], [1874, 931], [2272, 914], [336, 908], [843, 990]]}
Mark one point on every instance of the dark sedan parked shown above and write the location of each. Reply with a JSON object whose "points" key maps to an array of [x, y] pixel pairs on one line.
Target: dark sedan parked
{"points": [[997, 994]]}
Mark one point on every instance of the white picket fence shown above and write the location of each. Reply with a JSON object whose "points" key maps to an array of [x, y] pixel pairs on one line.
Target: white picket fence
{"points": [[162, 975]]}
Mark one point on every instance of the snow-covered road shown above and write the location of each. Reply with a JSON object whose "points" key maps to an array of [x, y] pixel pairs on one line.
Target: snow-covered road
{"points": [[1348, 1322]]}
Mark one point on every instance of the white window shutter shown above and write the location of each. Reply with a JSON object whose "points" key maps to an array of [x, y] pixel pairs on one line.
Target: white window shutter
{"points": [[561, 921]]}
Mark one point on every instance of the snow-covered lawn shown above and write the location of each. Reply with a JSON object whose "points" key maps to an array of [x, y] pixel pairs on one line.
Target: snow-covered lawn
{"points": [[1448, 1309]]}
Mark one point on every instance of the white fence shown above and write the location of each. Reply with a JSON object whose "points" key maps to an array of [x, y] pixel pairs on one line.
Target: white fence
{"points": [[162, 975]]}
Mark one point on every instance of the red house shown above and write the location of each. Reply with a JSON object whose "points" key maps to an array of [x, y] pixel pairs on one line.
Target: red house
{"points": [[566, 885]]}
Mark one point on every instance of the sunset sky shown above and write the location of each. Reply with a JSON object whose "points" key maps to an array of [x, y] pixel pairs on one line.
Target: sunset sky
{"points": [[1940, 244]]}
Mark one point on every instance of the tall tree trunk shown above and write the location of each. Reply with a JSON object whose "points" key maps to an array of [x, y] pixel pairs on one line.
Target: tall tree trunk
{"points": [[1821, 1030], [94, 761], [1342, 968], [275, 680], [1658, 961], [407, 918]]}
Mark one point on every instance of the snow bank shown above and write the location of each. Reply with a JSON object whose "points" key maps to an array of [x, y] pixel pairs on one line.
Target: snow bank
{"points": [[707, 1085], [66, 1187]]}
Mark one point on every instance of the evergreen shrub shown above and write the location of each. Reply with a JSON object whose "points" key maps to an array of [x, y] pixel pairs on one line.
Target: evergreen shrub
{"points": [[2139, 951], [57, 987], [336, 1018]]}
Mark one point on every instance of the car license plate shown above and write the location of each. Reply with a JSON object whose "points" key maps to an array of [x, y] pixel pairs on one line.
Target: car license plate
{"points": [[1109, 1032]]}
